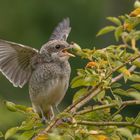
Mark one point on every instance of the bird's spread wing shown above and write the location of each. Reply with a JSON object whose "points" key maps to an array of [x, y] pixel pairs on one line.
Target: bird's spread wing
{"points": [[15, 62], [62, 30]]}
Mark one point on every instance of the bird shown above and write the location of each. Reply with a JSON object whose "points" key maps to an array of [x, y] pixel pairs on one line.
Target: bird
{"points": [[46, 71]]}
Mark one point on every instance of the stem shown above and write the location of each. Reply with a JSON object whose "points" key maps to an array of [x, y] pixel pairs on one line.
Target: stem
{"points": [[92, 93], [117, 78], [97, 89], [108, 123], [94, 108]]}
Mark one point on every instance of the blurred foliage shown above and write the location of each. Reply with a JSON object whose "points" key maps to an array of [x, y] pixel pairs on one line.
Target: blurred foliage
{"points": [[98, 81]]}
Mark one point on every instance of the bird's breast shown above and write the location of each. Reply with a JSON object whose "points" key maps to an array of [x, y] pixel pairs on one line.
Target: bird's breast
{"points": [[48, 85]]}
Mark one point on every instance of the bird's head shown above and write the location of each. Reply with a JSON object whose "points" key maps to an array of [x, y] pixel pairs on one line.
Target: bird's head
{"points": [[56, 50]]}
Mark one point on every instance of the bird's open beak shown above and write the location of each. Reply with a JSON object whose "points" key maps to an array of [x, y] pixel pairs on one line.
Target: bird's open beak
{"points": [[65, 51]]}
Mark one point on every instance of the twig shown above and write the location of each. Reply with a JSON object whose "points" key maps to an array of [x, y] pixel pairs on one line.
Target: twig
{"points": [[94, 108], [97, 89], [44, 132], [108, 123], [118, 111], [117, 78], [137, 117], [92, 93]]}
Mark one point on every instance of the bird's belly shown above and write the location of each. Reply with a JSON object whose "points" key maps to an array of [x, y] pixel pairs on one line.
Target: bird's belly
{"points": [[55, 92], [50, 93]]}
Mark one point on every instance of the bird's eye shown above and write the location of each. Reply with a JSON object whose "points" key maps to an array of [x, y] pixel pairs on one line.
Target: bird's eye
{"points": [[58, 46]]}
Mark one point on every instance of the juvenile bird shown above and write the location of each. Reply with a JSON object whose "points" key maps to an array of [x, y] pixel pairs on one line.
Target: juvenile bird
{"points": [[47, 71]]}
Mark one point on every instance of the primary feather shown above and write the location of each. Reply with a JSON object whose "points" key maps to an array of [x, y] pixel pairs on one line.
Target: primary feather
{"points": [[15, 62]]}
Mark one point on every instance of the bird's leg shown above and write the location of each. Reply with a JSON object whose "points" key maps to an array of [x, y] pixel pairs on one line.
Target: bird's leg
{"points": [[50, 113], [57, 109], [43, 118]]}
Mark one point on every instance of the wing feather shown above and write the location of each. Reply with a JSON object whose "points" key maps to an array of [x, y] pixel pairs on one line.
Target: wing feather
{"points": [[15, 62], [62, 30]]}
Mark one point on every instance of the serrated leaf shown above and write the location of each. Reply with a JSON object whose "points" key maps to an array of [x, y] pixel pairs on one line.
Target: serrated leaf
{"points": [[10, 132], [133, 93], [119, 91], [114, 20], [116, 85], [117, 117], [136, 86], [134, 78], [136, 63], [80, 93], [105, 30], [26, 135], [118, 32], [125, 132], [129, 119]]}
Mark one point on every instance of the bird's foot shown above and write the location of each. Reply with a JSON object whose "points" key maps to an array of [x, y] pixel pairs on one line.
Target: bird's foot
{"points": [[43, 120], [57, 109], [67, 120]]}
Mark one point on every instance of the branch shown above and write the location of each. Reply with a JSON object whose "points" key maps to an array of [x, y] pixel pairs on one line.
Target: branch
{"points": [[94, 108], [97, 89], [117, 78], [108, 123]]}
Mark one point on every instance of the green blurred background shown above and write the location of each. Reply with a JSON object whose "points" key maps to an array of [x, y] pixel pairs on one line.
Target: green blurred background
{"points": [[31, 22]]}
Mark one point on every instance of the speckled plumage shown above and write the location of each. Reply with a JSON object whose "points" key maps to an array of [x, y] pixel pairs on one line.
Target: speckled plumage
{"points": [[47, 71], [48, 85]]}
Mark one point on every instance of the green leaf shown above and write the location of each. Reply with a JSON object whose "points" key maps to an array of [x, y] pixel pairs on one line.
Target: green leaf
{"points": [[114, 20], [100, 96], [105, 30], [118, 100], [129, 93], [134, 78], [136, 63], [125, 132], [118, 32], [77, 81], [88, 80], [11, 106], [119, 91], [115, 137], [10, 132], [136, 86], [26, 125], [116, 85], [21, 107], [133, 93], [27, 135], [117, 117], [1, 134], [129, 119], [79, 94]]}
